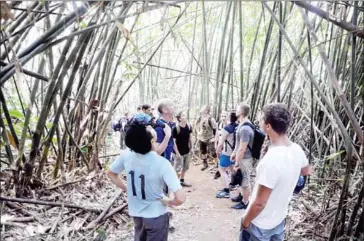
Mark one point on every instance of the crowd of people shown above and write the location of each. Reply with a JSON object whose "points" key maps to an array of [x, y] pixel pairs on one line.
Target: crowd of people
{"points": [[156, 153]]}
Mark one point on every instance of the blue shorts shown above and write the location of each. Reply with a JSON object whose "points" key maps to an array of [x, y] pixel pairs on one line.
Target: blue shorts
{"points": [[225, 161]]}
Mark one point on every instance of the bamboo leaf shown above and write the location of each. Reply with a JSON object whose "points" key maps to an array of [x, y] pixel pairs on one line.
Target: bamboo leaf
{"points": [[16, 114], [336, 154]]}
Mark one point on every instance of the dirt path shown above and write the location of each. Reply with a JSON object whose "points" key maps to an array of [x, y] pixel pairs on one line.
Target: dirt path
{"points": [[204, 217]]}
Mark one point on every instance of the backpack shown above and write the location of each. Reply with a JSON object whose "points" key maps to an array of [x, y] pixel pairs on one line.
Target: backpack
{"points": [[259, 137], [199, 120], [231, 129]]}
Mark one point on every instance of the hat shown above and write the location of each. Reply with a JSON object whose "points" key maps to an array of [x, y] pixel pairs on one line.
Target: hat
{"points": [[142, 118]]}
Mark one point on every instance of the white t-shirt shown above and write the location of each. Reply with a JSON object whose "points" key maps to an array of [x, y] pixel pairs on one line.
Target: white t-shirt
{"points": [[278, 170]]}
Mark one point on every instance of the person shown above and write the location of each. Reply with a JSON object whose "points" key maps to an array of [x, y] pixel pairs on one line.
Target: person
{"points": [[147, 172], [183, 143], [277, 175], [224, 150], [147, 109], [220, 125], [119, 131], [242, 155], [206, 130], [164, 125], [139, 109]]}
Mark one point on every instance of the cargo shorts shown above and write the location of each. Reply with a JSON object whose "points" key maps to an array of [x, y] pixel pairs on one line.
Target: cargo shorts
{"points": [[246, 166], [182, 163]]}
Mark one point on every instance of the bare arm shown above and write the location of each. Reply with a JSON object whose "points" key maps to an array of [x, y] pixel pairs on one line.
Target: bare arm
{"points": [[161, 147], [115, 178], [307, 170], [257, 205], [179, 198], [175, 147]]}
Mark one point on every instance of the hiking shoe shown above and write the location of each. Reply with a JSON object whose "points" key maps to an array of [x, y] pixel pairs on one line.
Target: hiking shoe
{"points": [[171, 229], [237, 199], [240, 206], [217, 175], [223, 194], [205, 166], [183, 184]]}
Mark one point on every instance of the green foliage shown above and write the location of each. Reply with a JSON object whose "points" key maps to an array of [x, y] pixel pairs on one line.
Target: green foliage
{"points": [[82, 25], [16, 114], [334, 155]]}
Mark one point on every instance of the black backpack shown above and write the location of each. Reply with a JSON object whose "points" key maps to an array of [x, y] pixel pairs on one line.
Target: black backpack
{"points": [[259, 137]]}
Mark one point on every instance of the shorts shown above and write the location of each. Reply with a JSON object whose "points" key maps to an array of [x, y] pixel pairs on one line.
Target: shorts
{"points": [[253, 233], [207, 146], [151, 229], [182, 163], [225, 161], [246, 166]]}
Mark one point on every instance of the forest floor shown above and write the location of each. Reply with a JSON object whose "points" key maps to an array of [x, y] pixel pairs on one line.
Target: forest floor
{"points": [[202, 217]]}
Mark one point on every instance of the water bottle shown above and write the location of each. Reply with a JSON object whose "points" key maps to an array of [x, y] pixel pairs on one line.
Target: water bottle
{"points": [[300, 184]]}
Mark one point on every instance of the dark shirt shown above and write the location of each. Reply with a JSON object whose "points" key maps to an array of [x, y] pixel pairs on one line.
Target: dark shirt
{"points": [[182, 139]]}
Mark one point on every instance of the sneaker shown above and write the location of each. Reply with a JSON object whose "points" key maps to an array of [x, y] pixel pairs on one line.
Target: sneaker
{"points": [[223, 194], [237, 199], [240, 206], [205, 166], [217, 175], [183, 184]]}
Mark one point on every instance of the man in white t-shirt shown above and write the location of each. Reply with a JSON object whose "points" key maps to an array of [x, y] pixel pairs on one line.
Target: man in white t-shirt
{"points": [[277, 175]]}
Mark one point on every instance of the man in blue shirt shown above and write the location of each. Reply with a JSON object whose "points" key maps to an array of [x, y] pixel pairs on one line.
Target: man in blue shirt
{"points": [[147, 173], [165, 143]]}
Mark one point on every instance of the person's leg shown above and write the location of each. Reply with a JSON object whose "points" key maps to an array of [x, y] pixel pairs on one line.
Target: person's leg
{"points": [[247, 165], [157, 228], [203, 149], [223, 167], [178, 164], [139, 231], [245, 185], [185, 167]]}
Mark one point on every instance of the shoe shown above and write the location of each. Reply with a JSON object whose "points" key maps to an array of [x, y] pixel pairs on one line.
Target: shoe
{"points": [[223, 194], [205, 166], [237, 199], [217, 175], [240, 206], [171, 229], [183, 184]]}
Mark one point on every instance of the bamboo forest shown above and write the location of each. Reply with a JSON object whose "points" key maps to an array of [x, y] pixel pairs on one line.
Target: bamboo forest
{"points": [[69, 69]]}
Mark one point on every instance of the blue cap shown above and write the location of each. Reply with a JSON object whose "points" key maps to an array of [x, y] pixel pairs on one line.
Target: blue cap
{"points": [[143, 118]]}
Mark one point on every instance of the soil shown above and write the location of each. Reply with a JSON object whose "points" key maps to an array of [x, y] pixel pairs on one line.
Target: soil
{"points": [[203, 216]]}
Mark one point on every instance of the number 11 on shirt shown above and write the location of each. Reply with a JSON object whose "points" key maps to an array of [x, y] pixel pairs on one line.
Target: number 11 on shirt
{"points": [[142, 177]]}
